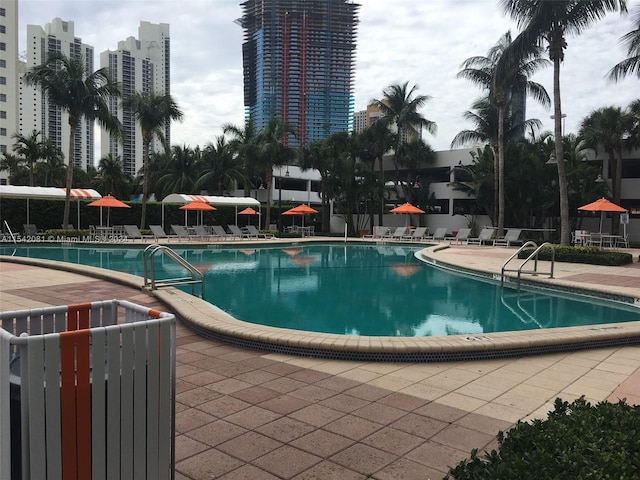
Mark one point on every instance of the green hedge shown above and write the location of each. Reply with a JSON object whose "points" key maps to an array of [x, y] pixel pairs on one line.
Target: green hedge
{"points": [[590, 255], [576, 441]]}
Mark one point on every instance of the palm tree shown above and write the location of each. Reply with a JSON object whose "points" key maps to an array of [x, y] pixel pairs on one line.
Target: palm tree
{"points": [[632, 63], [179, 171], [153, 113], [502, 85], [548, 22], [51, 171], [219, 170], [14, 165], [399, 108], [485, 118], [320, 155], [68, 85], [272, 152], [31, 149], [372, 143], [244, 144], [609, 128], [111, 178]]}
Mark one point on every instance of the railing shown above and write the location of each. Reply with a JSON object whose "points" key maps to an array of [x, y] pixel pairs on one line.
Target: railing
{"points": [[8, 229], [148, 268], [534, 256]]}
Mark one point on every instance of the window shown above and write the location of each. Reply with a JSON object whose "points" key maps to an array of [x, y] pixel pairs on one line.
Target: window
{"points": [[3, 148], [3, 63], [3, 80], [3, 114], [2, 12], [3, 46], [3, 132], [3, 29], [3, 97]]}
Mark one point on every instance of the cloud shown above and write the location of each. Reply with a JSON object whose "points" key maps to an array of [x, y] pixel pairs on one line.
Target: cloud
{"points": [[423, 43]]}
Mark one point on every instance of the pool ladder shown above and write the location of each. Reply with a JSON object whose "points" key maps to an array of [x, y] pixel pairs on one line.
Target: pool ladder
{"points": [[194, 278], [534, 257]]}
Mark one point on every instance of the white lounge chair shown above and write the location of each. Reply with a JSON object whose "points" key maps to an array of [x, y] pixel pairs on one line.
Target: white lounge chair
{"points": [[181, 232], [158, 232], [485, 235], [438, 235], [201, 232], [134, 233], [236, 232], [253, 232], [512, 236], [220, 232], [399, 233], [419, 234], [30, 230], [378, 232], [462, 235]]}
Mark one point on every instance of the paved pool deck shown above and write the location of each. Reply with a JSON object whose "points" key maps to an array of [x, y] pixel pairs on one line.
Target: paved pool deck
{"points": [[251, 414]]}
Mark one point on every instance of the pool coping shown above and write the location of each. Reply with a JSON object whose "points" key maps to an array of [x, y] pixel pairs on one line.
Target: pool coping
{"points": [[212, 322]]}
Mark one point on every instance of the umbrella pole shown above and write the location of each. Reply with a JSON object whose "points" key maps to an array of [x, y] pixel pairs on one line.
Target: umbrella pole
{"points": [[601, 220]]}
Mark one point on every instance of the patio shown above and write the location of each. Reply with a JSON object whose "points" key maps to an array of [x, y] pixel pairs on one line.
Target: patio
{"points": [[248, 414]]}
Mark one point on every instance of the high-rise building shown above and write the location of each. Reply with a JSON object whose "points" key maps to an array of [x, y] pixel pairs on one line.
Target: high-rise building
{"points": [[9, 66], [37, 112], [139, 65], [298, 61], [365, 118]]}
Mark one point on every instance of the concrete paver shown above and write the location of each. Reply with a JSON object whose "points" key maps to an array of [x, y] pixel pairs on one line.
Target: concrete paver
{"points": [[251, 414]]}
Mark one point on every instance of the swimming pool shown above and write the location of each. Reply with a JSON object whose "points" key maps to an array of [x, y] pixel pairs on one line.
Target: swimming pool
{"points": [[353, 290]]}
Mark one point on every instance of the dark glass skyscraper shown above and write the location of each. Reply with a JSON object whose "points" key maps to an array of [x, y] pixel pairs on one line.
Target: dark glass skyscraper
{"points": [[298, 61]]}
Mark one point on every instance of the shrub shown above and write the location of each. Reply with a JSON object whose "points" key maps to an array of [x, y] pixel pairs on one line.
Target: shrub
{"points": [[576, 441], [590, 255]]}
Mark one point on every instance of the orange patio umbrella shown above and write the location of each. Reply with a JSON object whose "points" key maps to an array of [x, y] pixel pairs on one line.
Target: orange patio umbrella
{"points": [[248, 212], [602, 205], [301, 210], [197, 206], [407, 209], [110, 202]]}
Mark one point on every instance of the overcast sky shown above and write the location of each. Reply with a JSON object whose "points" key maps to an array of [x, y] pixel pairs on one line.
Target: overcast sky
{"points": [[422, 42]]}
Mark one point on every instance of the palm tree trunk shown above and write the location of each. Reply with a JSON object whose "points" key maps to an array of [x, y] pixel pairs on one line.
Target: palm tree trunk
{"points": [[500, 171], [73, 124], [617, 190], [495, 148], [381, 212], [565, 232], [268, 180], [145, 183]]}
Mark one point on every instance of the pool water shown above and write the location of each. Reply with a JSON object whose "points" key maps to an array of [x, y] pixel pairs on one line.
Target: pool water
{"points": [[352, 290]]}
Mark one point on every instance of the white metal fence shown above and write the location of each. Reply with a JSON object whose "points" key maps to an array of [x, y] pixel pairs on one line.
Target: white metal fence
{"points": [[87, 391]]}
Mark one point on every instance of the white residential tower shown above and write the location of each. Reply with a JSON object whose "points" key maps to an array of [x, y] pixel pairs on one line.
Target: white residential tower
{"points": [[37, 113], [138, 65]]}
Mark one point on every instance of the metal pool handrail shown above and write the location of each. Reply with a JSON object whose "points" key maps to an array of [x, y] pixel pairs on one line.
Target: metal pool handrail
{"points": [[533, 256], [195, 276]]}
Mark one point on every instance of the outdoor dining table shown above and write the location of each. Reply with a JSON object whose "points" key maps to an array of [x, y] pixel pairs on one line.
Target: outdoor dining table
{"points": [[596, 239], [103, 233]]}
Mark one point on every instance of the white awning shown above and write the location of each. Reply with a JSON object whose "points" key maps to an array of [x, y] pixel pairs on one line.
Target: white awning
{"points": [[22, 191], [211, 199], [183, 198]]}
